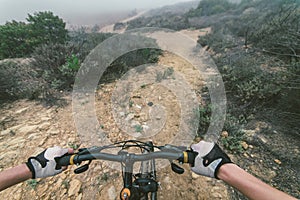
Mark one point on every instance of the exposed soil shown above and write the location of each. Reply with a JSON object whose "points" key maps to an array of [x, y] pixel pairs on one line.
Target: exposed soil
{"points": [[27, 127]]}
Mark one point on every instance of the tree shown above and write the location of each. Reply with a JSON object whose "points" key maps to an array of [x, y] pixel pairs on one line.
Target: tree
{"points": [[19, 39], [14, 40], [47, 28]]}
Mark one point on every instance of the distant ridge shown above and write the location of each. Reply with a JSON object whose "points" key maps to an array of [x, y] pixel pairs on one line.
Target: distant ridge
{"points": [[178, 8]]}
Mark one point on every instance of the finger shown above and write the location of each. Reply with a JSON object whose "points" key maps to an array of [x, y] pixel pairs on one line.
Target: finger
{"points": [[64, 168], [70, 151], [195, 147]]}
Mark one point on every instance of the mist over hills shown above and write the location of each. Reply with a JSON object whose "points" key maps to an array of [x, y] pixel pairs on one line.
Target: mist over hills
{"points": [[178, 8], [103, 19]]}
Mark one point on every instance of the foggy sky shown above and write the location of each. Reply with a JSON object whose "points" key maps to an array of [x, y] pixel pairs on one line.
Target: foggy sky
{"points": [[18, 9]]}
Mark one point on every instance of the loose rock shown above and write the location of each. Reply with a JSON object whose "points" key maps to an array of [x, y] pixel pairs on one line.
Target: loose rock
{"points": [[244, 145], [28, 129], [21, 110], [224, 134], [74, 188], [79, 197], [112, 194], [195, 176], [129, 117], [277, 161]]}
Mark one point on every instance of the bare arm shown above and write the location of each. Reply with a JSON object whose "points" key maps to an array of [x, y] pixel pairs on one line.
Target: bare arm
{"points": [[211, 161], [249, 185], [43, 165], [14, 176]]}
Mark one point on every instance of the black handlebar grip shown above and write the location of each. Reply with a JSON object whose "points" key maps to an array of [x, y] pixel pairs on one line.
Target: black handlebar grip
{"points": [[64, 160], [191, 157], [188, 157]]}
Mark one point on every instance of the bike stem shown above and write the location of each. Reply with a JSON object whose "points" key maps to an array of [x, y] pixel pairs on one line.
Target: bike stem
{"points": [[127, 187], [128, 175]]}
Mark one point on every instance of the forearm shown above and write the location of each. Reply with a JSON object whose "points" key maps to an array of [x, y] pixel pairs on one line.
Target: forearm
{"points": [[14, 176], [247, 184]]}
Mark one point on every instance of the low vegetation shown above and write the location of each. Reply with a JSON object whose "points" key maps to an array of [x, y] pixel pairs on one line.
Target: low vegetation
{"points": [[55, 57], [258, 58], [19, 39]]}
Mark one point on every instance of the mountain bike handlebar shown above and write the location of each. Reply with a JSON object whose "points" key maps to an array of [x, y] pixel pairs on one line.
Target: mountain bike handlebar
{"points": [[144, 183], [183, 157]]}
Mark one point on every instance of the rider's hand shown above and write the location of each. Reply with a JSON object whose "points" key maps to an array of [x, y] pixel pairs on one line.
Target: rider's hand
{"points": [[44, 164], [210, 158]]}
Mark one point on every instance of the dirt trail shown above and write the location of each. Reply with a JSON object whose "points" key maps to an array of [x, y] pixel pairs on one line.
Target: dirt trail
{"points": [[194, 34], [110, 28], [27, 128]]}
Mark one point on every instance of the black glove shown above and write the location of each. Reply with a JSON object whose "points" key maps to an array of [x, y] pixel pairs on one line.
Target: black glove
{"points": [[44, 165], [210, 158]]}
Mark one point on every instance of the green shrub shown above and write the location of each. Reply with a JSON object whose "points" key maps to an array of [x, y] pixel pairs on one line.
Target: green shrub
{"points": [[46, 28], [289, 100], [204, 118], [32, 183], [128, 61], [235, 134], [232, 125], [18, 80], [85, 41], [19, 39], [272, 26], [56, 64], [138, 128], [262, 79], [14, 40], [211, 7], [218, 41], [119, 26], [249, 83], [168, 20], [70, 68]]}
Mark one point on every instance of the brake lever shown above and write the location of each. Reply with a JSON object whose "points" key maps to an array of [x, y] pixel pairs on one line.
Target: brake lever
{"points": [[85, 167], [176, 168], [82, 168]]}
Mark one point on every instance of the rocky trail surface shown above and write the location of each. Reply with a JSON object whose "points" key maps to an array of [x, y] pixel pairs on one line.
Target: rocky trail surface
{"points": [[28, 127]]}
